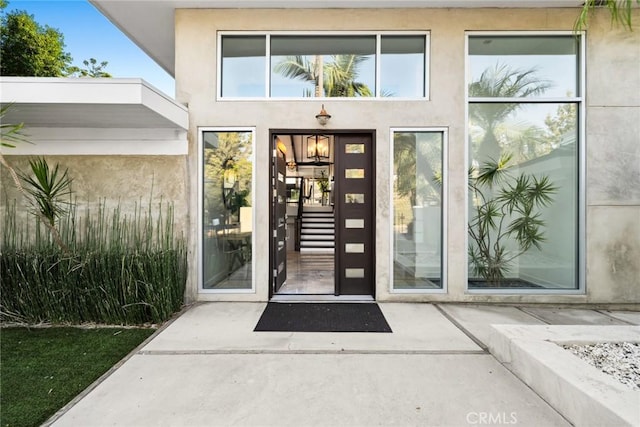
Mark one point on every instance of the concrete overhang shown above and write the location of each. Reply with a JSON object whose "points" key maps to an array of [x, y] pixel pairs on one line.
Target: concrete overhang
{"points": [[150, 24], [89, 103], [86, 116]]}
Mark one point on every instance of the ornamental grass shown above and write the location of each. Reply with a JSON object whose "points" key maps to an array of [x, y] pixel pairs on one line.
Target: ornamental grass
{"points": [[114, 268]]}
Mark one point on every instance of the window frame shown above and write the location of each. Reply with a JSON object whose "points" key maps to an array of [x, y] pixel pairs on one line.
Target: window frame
{"points": [[200, 228], [580, 102], [444, 214], [267, 72]]}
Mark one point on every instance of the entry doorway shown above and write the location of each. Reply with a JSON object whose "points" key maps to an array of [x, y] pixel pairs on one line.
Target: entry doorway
{"points": [[323, 213]]}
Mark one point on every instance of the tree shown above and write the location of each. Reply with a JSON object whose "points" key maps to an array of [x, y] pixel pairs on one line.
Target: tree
{"points": [[416, 184], [336, 78], [500, 81], [92, 69], [560, 125], [29, 49], [620, 10], [227, 173]]}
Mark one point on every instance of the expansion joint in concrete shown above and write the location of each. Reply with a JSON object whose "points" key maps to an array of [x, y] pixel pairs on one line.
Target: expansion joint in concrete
{"points": [[462, 328], [310, 352]]}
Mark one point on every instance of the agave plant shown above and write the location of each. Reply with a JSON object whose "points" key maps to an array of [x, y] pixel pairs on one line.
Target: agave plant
{"points": [[506, 212]]}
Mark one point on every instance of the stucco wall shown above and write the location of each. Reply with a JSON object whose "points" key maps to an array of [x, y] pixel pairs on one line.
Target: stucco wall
{"points": [[117, 180], [613, 82]]}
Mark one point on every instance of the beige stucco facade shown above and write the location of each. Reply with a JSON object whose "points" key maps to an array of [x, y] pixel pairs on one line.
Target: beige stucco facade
{"points": [[611, 146], [127, 182], [125, 165]]}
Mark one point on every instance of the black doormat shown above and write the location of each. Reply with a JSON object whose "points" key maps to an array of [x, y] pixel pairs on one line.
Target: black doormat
{"points": [[322, 317]]}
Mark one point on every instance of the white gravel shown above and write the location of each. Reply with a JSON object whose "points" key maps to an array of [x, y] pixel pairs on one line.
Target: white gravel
{"points": [[620, 360]]}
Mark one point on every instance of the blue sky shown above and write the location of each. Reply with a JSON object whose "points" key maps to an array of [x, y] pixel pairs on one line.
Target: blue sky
{"points": [[88, 34]]}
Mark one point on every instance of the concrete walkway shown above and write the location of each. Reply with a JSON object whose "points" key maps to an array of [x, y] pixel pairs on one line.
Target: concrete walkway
{"points": [[208, 368]]}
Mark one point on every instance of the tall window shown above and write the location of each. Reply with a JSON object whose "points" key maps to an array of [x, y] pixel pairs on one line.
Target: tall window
{"points": [[308, 66], [417, 210], [227, 210], [524, 106]]}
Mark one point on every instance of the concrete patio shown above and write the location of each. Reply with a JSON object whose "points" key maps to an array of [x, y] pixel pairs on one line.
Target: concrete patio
{"points": [[208, 368]]}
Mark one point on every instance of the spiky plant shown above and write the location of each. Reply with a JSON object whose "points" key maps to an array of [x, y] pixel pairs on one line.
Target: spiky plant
{"points": [[49, 189], [49, 192], [506, 208]]}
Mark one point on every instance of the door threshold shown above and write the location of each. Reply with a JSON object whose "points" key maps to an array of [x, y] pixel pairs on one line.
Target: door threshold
{"points": [[321, 298]]}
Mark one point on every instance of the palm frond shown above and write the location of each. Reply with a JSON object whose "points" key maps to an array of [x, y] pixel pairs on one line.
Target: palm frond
{"points": [[297, 67], [493, 172], [11, 133], [621, 13]]}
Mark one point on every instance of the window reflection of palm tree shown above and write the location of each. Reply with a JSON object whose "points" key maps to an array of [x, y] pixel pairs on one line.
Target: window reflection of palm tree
{"points": [[336, 78], [500, 81], [411, 179]]}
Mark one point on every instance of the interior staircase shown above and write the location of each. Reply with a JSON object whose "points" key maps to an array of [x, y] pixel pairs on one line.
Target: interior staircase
{"points": [[317, 233]]}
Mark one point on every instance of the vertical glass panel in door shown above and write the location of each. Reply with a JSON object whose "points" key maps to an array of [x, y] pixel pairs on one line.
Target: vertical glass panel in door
{"points": [[243, 66], [417, 210], [227, 210], [323, 66]]}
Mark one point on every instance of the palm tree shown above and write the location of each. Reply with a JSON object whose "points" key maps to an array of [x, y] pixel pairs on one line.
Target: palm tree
{"points": [[621, 12], [413, 183], [336, 78], [501, 81]]}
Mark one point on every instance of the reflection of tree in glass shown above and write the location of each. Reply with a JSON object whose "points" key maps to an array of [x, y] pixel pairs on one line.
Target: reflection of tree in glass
{"points": [[336, 78], [560, 126], [501, 81], [420, 184], [231, 157]]}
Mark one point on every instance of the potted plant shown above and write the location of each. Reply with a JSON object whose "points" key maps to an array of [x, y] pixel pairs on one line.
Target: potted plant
{"points": [[323, 186], [505, 218]]}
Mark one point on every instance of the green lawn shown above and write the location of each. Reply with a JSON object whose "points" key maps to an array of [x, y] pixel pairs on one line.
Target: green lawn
{"points": [[42, 369]]}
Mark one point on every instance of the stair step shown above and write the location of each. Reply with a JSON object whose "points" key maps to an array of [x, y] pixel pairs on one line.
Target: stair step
{"points": [[317, 244], [318, 250], [315, 219], [323, 227], [313, 237], [318, 217], [317, 232]]}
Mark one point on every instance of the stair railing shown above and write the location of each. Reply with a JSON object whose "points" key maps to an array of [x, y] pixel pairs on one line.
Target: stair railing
{"points": [[301, 198]]}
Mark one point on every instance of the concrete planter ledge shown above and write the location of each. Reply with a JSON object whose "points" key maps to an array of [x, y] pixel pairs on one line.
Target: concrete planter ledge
{"points": [[580, 392]]}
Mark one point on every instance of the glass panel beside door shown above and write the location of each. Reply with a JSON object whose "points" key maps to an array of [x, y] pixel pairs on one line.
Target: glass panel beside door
{"points": [[227, 210], [417, 210]]}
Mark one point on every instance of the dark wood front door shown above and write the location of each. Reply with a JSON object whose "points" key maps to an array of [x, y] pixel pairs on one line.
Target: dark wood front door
{"points": [[355, 214]]}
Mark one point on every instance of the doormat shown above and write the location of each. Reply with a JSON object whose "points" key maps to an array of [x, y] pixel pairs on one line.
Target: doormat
{"points": [[322, 317]]}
